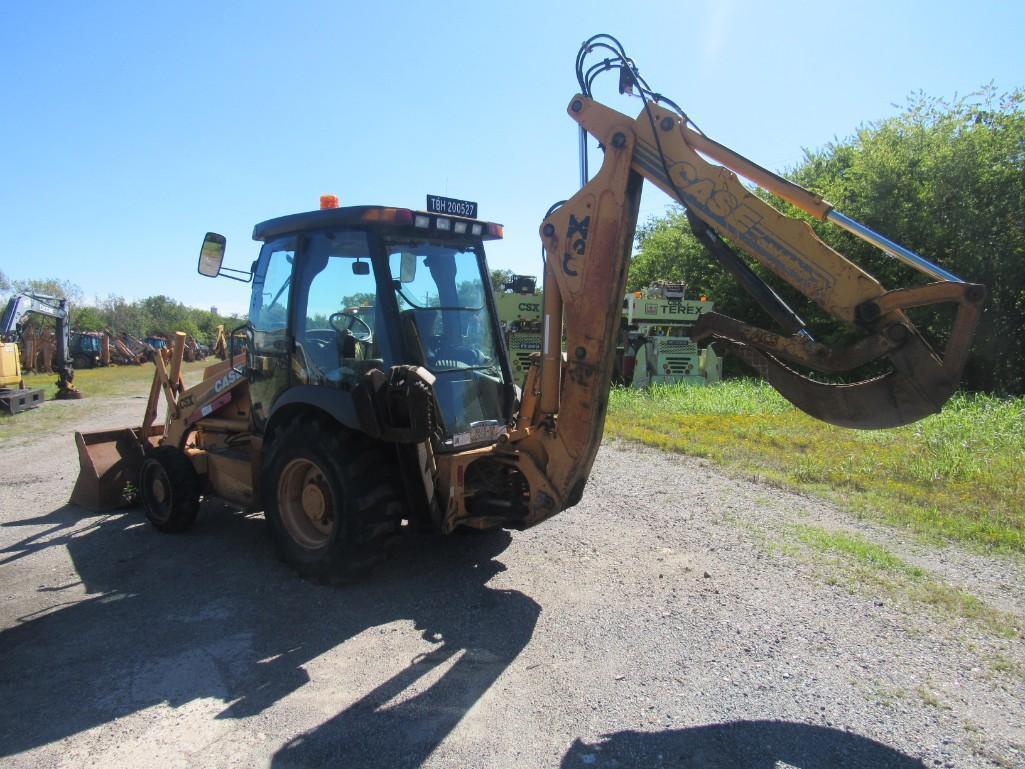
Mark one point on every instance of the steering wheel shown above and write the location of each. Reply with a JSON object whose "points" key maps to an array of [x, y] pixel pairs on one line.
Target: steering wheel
{"points": [[469, 356], [355, 325]]}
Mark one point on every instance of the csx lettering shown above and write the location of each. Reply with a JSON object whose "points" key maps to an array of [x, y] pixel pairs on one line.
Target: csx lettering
{"points": [[528, 307]]}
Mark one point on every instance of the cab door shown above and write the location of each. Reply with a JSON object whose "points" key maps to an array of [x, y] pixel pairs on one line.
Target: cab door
{"points": [[269, 355]]}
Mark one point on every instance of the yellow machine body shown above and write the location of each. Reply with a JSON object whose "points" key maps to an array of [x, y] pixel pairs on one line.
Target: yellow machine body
{"points": [[10, 366]]}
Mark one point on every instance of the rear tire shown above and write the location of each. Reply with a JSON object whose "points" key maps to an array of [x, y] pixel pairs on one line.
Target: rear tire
{"points": [[169, 487], [330, 499]]}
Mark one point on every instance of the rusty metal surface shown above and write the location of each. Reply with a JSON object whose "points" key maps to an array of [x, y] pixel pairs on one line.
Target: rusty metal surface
{"points": [[109, 464], [795, 349], [920, 380]]}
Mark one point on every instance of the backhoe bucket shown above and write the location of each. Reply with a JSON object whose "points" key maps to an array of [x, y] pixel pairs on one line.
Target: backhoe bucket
{"points": [[109, 463], [918, 385]]}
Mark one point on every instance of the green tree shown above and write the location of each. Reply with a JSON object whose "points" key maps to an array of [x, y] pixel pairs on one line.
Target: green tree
{"points": [[120, 316], [62, 289], [87, 319], [946, 179], [166, 316], [499, 278]]}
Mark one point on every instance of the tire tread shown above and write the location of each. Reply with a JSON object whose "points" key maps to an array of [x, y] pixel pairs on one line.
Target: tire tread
{"points": [[373, 505], [185, 489]]}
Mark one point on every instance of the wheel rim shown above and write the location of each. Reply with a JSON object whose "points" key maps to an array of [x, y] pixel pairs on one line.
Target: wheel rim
{"points": [[306, 504], [157, 490]]}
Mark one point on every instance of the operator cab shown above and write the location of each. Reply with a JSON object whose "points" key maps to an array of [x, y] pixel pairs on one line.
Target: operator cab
{"points": [[340, 292], [85, 343]]}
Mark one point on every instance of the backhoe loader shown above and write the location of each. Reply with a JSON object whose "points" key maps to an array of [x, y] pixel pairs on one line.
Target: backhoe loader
{"points": [[374, 388]]}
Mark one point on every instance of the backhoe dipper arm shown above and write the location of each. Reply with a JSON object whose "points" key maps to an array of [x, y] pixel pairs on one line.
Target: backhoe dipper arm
{"points": [[24, 304], [920, 381]]}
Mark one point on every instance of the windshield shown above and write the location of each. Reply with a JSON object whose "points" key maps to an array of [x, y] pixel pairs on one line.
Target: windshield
{"points": [[442, 288], [437, 276], [446, 322]]}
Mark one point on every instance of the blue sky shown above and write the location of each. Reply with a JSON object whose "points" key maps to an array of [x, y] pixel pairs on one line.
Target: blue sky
{"points": [[130, 129]]}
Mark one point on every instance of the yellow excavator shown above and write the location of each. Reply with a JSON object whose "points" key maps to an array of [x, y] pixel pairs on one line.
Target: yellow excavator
{"points": [[373, 387], [19, 306]]}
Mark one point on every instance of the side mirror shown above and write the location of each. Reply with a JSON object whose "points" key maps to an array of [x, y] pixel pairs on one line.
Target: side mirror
{"points": [[212, 254], [407, 267]]}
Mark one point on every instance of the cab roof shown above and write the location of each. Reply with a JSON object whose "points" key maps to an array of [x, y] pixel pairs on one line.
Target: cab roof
{"points": [[404, 221]]}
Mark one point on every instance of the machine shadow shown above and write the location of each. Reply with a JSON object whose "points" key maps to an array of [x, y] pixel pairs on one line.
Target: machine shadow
{"points": [[213, 614], [68, 517], [739, 745]]}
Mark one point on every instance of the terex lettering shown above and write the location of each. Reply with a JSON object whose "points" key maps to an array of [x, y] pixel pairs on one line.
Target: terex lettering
{"points": [[680, 309]]}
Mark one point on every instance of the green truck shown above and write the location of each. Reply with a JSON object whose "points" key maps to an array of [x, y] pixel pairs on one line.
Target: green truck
{"points": [[654, 346]]}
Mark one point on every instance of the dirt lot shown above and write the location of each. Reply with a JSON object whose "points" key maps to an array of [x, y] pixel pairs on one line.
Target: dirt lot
{"points": [[666, 621]]}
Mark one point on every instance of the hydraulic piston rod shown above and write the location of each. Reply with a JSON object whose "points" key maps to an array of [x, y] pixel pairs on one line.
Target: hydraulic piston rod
{"points": [[583, 157], [895, 250]]}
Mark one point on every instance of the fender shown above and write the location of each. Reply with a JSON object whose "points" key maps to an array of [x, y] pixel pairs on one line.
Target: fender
{"points": [[338, 404]]}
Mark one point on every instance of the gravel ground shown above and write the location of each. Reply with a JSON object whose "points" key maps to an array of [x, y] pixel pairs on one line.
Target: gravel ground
{"points": [[664, 621]]}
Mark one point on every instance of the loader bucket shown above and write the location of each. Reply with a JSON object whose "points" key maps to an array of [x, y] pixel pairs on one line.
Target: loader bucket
{"points": [[109, 463]]}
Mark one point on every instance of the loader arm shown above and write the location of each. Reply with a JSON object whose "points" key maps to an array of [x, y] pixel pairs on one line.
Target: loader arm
{"points": [[541, 463]]}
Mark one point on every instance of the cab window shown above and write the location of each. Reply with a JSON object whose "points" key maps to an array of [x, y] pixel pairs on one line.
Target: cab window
{"points": [[336, 329], [268, 311]]}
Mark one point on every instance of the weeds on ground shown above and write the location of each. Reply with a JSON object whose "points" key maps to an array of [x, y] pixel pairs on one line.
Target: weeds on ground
{"points": [[857, 563], [957, 475], [931, 699], [999, 663]]}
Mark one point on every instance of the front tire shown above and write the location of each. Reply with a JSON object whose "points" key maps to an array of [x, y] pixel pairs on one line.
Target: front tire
{"points": [[329, 498], [169, 487]]}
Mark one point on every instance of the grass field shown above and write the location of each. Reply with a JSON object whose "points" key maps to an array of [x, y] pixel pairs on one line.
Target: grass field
{"points": [[114, 381], [956, 475], [96, 385]]}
